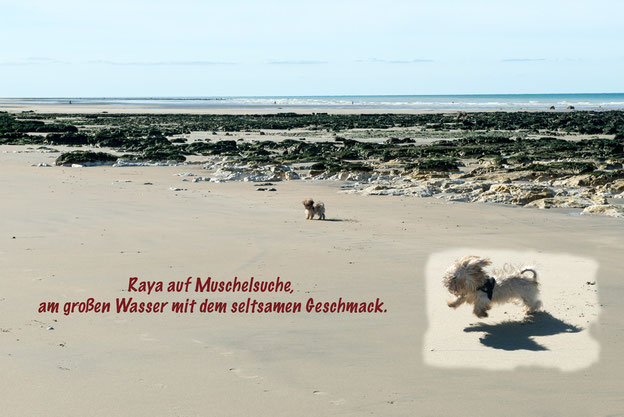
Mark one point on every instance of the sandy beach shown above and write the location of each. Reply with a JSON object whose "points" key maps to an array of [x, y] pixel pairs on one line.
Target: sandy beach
{"points": [[74, 233]]}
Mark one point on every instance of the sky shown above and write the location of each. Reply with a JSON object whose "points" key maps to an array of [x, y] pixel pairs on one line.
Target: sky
{"points": [[113, 48]]}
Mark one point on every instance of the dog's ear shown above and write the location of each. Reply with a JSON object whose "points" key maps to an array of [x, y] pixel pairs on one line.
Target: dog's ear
{"points": [[465, 262], [478, 262], [470, 270]]}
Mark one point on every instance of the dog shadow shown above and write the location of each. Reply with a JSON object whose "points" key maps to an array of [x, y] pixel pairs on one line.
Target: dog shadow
{"points": [[518, 335]]}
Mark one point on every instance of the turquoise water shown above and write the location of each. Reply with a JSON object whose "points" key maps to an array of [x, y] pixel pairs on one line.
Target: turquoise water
{"points": [[613, 101]]}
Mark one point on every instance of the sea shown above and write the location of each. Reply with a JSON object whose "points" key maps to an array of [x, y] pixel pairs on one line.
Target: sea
{"points": [[469, 102]]}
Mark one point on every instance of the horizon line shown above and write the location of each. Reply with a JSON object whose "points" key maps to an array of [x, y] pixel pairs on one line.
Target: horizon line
{"points": [[207, 97]]}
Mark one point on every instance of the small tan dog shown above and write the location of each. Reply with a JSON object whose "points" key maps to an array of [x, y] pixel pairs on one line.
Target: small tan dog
{"points": [[312, 209], [467, 280]]}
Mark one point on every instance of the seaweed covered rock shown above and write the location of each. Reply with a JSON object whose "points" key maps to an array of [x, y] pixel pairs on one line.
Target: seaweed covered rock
{"points": [[434, 165], [85, 158], [112, 138], [158, 155], [68, 138], [317, 169]]}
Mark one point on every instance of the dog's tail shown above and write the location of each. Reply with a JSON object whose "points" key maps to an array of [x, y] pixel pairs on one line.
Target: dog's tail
{"points": [[531, 270]]}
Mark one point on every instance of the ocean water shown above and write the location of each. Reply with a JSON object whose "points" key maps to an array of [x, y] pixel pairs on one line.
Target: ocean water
{"points": [[609, 101]]}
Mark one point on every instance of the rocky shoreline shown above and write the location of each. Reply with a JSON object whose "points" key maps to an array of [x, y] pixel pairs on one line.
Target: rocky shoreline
{"points": [[543, 160], [481, 183]]}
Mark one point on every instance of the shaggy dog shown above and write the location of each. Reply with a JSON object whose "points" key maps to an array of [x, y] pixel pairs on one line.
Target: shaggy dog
{"points": [[312, 209], [467, 280]]}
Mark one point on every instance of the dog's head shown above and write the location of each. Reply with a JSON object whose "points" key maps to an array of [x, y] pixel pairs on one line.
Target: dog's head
{"points": [[308, 204], [465, 275]]}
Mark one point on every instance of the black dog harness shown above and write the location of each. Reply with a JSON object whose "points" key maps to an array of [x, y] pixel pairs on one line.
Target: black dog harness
{"points": [[488, 287]]}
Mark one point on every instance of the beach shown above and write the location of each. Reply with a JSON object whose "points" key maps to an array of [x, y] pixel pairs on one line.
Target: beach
{"points": [[327, 209], [357, 104], [74, 233]]}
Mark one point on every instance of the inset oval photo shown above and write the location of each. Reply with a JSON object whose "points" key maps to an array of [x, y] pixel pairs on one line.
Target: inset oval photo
{"points": [[502, 310]]}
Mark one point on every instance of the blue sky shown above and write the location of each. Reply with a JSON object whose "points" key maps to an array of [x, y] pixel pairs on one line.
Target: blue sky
{"points": [[235, 47]]}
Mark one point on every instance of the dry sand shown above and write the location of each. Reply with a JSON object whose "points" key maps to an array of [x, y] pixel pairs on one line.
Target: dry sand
{"points": [[82, 232]]}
